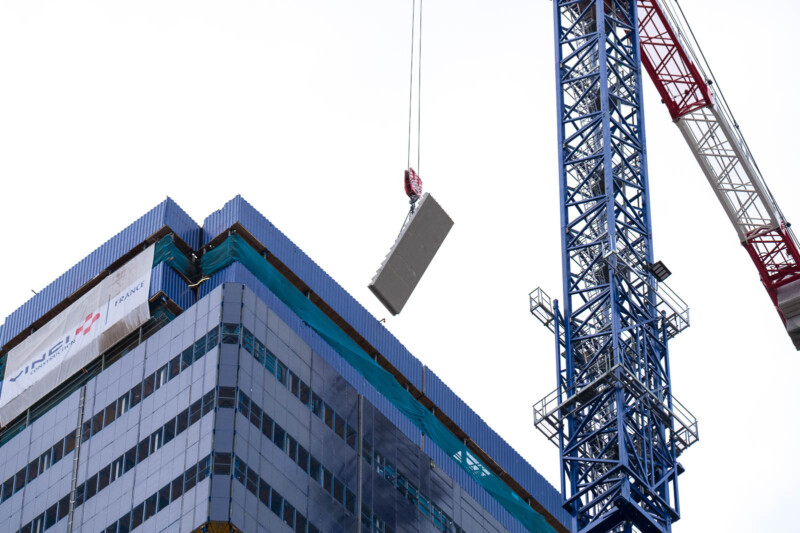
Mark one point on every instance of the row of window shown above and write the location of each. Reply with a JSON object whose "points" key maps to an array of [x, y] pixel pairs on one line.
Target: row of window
{"points": [[299, 388], [338, 424], [266, 494], [111, 412], [387, 471], [162, 497], [289, 445], [128, 460]]}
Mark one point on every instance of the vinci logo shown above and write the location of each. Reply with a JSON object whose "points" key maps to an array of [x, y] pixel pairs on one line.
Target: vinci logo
{"points": [[86, 327]]}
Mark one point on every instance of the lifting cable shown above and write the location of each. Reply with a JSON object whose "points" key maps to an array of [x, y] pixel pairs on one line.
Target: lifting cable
{"points": [[413, 184]]}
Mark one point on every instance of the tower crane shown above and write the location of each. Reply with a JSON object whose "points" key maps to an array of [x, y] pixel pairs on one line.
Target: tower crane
{"points": [[613, 415]]}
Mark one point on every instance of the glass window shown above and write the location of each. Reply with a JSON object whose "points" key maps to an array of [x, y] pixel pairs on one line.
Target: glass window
{"points": [[122, 404], [44, 460], [103, 478], [116, 469], [277, 504], [163, 497], [212, 338], [255, 415], [294, 383], [149, 385], [150, 506], [316, 404], [280, 373], [195, 411], [144, 449], [19, 479], [58, 449], [252, 481], [136, 395], [191, 478], [314, 469], [130, 459], [124, 523], [263, 492], [366, 451], [338, 490], [222, 464], [239, 469], [288, 514], [302, 458], [243, 405], [169, 431], [329, 416], [291, 447], [111, 414], [210, 398], [155, 440], [270, 362], [266, 425], [200, 348], [161, 377], [63, 507], [300, 523], [339, 425], [305, 393], [247, 340], [279, 437], [227, 397], [177, 488], [349, 500], [33, 470], [230, 333], [350, 436], [327, 480], [187, 357], [97, 423], [174, 367], [137, 516], [91, 486], [183, 422], [86, 430], [260, 351]]}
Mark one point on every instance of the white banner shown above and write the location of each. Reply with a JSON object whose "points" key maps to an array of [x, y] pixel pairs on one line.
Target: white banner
{"points": [[77, 335]]}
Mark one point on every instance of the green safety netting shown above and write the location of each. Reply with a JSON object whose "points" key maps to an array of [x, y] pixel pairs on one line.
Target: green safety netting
{"points": [[235, 249], [167, 252]]}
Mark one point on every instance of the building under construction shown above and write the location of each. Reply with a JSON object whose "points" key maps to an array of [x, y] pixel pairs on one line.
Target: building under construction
{"points": [[252, 394]]}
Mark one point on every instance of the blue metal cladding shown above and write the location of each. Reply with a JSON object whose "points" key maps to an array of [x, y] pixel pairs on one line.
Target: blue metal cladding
{"points": [[238, 210], [166, 280], [167, 213], [618, 459], [493, 444]]}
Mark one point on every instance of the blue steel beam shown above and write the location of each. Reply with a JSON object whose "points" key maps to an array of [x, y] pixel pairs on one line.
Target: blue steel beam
{"points": [[617, 441]]}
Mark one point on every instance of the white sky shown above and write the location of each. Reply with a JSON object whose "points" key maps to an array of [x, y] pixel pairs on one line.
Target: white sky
{"points": [[106, 107]]}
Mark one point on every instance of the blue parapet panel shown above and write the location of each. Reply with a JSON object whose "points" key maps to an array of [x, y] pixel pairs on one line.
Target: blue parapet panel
{"points": [[494, 445], [167, 213], [238, 210], [165, 279]]}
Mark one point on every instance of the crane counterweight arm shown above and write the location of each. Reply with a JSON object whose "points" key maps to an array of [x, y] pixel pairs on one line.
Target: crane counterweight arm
{"points": [[708, 127]]}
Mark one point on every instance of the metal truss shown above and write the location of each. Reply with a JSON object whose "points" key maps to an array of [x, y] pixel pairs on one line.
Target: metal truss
{"points": [[618, 428]]}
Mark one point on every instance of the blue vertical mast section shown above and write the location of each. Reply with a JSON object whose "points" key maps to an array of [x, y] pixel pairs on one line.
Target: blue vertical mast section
{"points": [[618, 428]]}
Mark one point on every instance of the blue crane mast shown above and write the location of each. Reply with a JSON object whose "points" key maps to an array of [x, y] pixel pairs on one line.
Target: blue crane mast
{"points": [[613, 416]]}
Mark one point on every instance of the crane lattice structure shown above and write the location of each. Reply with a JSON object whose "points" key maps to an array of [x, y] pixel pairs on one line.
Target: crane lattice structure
{"points": [[618, 426]]}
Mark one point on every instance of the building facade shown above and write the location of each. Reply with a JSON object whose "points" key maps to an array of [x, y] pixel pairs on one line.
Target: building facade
{"points": [[259, 396]]}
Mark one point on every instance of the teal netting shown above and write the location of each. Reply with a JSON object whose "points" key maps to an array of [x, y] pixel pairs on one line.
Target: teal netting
{"points": [[167, 252], [235, 249]]}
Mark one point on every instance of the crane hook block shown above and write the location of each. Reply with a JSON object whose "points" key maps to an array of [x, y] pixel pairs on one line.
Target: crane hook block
{"points": [[411, 254], [413, 185]]}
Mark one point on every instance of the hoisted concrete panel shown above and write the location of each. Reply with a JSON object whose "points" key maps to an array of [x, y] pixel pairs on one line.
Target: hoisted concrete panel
{"points": [[411, 254]]}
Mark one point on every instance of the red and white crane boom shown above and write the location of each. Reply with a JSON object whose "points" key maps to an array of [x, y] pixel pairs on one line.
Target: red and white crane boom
{"points": [[668, 53]]}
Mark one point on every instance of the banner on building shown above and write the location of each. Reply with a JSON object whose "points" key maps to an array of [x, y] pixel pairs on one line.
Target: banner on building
{"points": [[77, 335]]}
